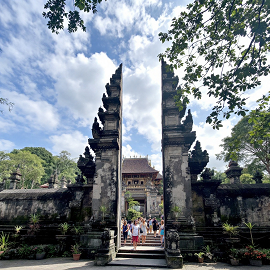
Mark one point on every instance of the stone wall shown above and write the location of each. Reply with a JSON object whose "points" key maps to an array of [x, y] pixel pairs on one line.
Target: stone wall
{"points": [[245, 203], [236, 203], [17, 205]]}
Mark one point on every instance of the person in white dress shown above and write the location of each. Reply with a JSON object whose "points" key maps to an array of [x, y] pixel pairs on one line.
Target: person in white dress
{"points": [[144, 231]]}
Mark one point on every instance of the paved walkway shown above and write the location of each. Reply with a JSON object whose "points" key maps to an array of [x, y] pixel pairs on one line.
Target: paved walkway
{"points": [[69, 264]]}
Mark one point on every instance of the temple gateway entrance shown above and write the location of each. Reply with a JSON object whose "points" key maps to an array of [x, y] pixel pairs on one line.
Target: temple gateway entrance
{"points": [[108, 186]]}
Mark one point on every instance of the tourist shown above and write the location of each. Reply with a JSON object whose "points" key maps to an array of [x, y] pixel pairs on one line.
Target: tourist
{"points": [[155, 225], [125, 231], [150, 225], [135, 234], [161, 232], [143, 228], [122, 222]]}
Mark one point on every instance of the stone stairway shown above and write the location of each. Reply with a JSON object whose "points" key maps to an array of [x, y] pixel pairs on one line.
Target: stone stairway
{"points": [[151, 241], [150, 254]]}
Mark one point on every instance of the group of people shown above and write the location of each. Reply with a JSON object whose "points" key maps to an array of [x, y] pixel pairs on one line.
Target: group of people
{"points": [[139, 229]]}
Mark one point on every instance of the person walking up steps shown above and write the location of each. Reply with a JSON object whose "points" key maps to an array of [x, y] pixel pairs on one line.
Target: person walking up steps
{"points": [[155, 227], [144, 231], [150, 225], [161, 232], [135, 234], [125, 231]]}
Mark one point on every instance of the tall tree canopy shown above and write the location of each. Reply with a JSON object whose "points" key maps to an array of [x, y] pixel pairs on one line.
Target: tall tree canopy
{"points": [[223, 46], [47, 158], [30, 166], [65, 166], [57, 12], [36, 165], [249, 141]]}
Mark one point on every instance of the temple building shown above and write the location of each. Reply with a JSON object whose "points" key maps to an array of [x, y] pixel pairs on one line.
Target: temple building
{"points": [[144, 184]]}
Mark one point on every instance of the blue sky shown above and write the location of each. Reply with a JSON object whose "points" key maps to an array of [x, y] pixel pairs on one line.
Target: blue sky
{"points": [[56, 81]]}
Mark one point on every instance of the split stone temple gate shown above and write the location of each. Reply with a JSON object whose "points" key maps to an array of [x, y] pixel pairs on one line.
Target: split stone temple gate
{"points": [[191, 207]]}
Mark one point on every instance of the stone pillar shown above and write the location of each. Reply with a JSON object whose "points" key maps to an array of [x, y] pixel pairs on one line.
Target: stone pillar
{"points": [[107, 144], [15, 177], [177, 137], [148, 204]]}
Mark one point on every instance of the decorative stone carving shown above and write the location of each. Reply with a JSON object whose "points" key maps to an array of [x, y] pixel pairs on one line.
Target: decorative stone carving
{"points": [[105, 238], [53, 181], [234, 172], [106, 144], [63, 182], [188, 122], [172, 242], [207, 174], [15, 177], [79, 179], [197, 160], [96, 129], [87, 165], [168, 190], [258, 177]]}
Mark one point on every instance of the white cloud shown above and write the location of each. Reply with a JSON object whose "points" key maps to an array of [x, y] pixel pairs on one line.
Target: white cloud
{"points": [[35, 114], [120, 18], [80, 82], [156, 161], [6, 125], [6, 145], [73, 142], [128, 152]]}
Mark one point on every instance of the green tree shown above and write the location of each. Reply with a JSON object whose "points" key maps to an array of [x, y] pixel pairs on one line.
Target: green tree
{"points": [[30, 166], [247, 178], [57, 13], [65, 166], [221, 45], [4, 166], [47, 158], [249, 141], [132, 212], [221, 176]]}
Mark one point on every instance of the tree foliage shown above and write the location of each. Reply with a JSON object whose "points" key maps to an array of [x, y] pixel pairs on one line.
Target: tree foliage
{"points": [[132, 212], [30, 166], [47, 158], [5, 101], [221, 45], [36, 165], [249, 142], [65, 166], [57, 13]]}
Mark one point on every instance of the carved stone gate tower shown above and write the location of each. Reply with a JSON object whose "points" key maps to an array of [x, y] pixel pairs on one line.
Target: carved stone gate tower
{"points": [[177, 138]]}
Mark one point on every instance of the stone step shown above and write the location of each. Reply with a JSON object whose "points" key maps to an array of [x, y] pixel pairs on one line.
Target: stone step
{"points": [[139, 245], [139, 262], [134, 254], [142, 249]]}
